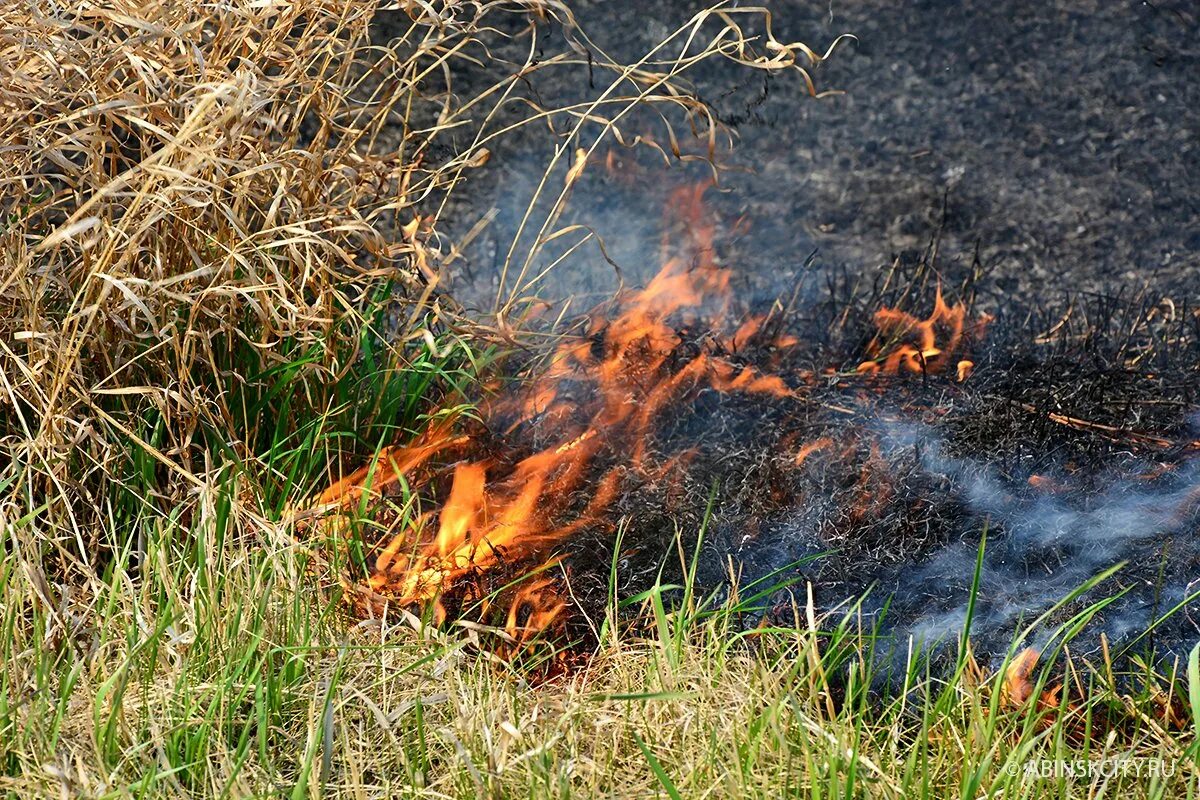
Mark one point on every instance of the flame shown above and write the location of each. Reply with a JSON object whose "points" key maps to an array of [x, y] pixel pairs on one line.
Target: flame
{"points": [[593, 413], [1017, 688], [812, 447], [393, 462], [908, 344], [1056, 710], [534, 608], [601, 394]]}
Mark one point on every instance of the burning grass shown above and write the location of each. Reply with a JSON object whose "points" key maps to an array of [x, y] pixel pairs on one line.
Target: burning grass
{"points": [[677, 397], [218, 290]]}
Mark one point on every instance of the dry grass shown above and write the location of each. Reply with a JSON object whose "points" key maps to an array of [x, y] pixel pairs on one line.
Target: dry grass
{"points": [[188, 195]]}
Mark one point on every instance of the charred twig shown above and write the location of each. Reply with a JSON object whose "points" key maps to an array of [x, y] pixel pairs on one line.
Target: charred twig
{"points": [[1112, 430]]}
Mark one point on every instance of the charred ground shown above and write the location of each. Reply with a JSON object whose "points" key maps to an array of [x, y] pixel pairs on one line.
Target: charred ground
{"points": [[1038, 163]]}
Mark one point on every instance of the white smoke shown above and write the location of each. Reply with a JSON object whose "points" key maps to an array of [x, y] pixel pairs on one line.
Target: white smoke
{"points": [[1043, 543]]}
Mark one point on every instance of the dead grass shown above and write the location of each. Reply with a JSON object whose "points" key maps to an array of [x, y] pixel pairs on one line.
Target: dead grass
{"points": [[188, 196]]}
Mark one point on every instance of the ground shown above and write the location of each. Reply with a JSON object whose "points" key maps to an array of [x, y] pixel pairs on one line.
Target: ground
{"points": [[1057, 138]]}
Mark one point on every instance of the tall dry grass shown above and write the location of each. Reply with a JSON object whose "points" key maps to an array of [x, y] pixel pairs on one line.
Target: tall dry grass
{"points": [[186, 187], [194, 193]]}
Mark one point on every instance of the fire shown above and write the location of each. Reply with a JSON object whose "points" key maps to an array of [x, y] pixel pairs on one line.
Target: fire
{"points": [[549, 461], [1055, 709], [908, 344], [812, 447], [601, 395], [393, 463], [534, 608], [1017, 687]]}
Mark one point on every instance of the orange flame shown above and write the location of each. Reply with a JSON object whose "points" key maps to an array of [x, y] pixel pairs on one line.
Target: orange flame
{"points": [[600, 398], [599, 394], [393, 462], [812, 447], [908, 344], [1017, 687], [535, 607]]}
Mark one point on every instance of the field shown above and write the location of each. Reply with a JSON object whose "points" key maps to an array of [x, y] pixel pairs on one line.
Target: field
{"points": [[223, 291]]}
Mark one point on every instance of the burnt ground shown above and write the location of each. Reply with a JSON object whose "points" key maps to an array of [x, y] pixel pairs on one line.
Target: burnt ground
{"points": [[1042, 159], [1057, 140]]}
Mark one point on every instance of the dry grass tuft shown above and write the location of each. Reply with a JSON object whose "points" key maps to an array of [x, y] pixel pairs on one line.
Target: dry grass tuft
{"points": [[185, 186]]}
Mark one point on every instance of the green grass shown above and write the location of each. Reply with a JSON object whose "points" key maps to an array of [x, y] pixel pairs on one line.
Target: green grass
{"points": [[210, 662], [211, 654]]}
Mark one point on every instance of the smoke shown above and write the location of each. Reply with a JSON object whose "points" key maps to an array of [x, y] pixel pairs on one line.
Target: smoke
{"points": [[1045, 539]]}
